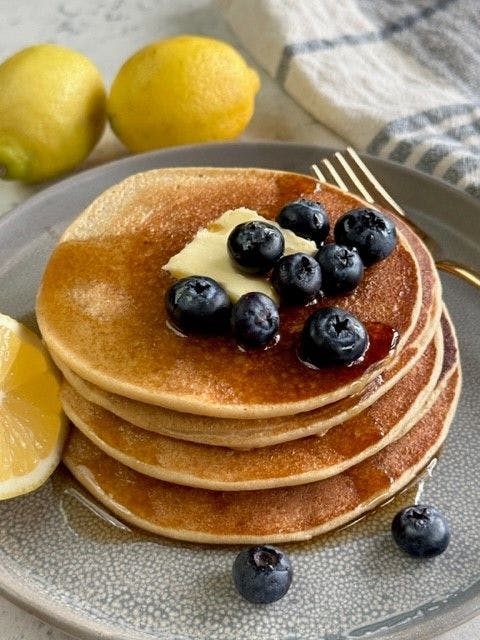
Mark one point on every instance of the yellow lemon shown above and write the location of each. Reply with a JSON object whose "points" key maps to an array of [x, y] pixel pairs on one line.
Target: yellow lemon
{"points": [[32, 424], [182, 90], [52, 112]]}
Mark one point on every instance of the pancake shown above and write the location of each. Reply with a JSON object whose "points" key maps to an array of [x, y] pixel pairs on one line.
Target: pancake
{"points": [[246, 434], [101, 311], [271, 515], [298, 462]]}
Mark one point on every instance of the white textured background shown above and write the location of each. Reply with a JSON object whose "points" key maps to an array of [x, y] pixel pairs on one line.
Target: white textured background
{"points": [[108, 31]]}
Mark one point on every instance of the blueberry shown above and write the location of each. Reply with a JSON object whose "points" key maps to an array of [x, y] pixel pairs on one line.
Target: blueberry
{"points": [[255, 246], [254, 320], [372, 233], [297, 278], [332, 336], [342, 268], [262, 574], [198, 305], [306, 218], [422, 531]]}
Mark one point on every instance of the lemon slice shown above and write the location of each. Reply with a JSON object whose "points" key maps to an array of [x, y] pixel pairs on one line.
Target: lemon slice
{"points": [[32, 424]]}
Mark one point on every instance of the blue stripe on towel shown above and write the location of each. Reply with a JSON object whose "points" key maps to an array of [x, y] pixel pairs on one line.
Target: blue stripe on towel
{"points": [[438, 151], [390, 29], [416, 122], [461, 168], [441, 144]]}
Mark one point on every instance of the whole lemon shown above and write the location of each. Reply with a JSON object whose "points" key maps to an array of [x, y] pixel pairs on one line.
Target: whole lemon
{"points": [[52, 111], [182, 90]]}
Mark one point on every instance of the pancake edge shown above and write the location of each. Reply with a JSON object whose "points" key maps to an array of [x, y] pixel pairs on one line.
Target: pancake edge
{"points": [[247, 438], [335, 523], [417, 409]]}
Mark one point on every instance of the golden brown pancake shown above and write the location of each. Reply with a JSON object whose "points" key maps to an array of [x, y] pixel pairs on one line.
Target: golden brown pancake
{"points": [[101, 307], [288, 513], [298, 462], [246, 434]]}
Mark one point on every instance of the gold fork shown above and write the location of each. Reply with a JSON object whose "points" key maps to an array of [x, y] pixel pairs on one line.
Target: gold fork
{"points": [[382, 196]]}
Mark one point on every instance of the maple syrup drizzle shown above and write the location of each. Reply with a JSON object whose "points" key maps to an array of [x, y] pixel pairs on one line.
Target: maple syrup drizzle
{"points": [[383, 510]]}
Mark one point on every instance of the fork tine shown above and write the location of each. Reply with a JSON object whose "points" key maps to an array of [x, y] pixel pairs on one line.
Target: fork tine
{"points": [[335, 175], [318, 173], [376, 184], [353, 177]]}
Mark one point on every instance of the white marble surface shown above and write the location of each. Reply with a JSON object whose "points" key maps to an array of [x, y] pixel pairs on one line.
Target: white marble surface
{"points": [[108, 31]]}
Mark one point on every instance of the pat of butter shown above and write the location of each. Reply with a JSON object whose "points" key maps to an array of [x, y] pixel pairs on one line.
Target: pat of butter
{"points": [[207, 255]]}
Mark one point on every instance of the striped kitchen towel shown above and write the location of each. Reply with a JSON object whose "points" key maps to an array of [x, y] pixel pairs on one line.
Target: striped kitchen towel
{"points": [[396, 78]]}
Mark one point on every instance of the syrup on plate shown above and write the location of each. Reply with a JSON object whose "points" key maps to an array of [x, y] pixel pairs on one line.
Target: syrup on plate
{"points": [[87, 517]]}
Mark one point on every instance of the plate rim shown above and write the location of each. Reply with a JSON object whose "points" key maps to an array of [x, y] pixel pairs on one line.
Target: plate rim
{"points": [[86, 174], [79, 625]]}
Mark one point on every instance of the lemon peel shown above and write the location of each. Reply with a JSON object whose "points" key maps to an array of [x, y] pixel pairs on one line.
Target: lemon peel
{"points": [[52, 112], [182, 90]]}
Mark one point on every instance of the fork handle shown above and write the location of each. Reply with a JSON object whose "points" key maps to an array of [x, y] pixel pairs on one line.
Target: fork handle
{"points": [[461, 271]]}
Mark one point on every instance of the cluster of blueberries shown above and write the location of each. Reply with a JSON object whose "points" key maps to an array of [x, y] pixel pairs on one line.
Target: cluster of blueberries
{"points": [[264, 574], [331, 335]]}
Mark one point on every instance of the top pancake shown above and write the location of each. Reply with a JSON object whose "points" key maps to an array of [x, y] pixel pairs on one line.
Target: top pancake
{"points": [[101, 306], [247, 434]]}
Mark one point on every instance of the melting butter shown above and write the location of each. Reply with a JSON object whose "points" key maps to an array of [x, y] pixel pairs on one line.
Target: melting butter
{"points": [[206, 255]]}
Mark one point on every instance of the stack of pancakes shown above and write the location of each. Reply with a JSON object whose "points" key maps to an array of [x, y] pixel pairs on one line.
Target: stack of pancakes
{"points": [[193, 438]]}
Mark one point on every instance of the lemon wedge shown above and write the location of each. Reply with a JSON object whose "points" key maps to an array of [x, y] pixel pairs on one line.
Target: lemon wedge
{"points": [[32, 424]]}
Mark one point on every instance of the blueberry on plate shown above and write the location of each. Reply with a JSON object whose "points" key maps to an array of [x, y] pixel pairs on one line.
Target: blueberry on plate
{"points": [[332, 336], [297, 278], [342, 268], [255, 246], [198, 305], [372, 233], [254, 320], [306, 218], [262, 574], [422, 531]]}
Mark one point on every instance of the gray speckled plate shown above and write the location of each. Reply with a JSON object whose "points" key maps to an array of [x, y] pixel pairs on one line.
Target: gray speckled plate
{"points": [[62, 563]]}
